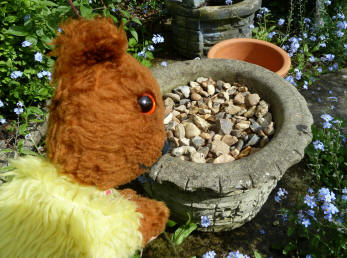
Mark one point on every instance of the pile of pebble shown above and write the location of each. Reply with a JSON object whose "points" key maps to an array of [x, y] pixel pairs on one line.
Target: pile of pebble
{"points": [[215, 122]]}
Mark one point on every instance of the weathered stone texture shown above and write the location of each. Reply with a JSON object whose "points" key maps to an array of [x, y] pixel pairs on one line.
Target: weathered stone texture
{"points": [[194, 21]]}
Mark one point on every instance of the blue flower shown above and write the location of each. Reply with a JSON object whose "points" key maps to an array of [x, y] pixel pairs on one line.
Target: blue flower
{"points": [[228, 2], [44, 73], [237, 254], [142, 53], [150, 48], [251, 26], [26, 17], [325, 195], [59, 30], [16, 74], [323, 44], [336, 66], [142, 179], [339, 34], [342, 25], [319, 69], [327, 117], [326, 125], [306, 222], [311, 59], [284, 217], [209, 254], [163, 63], [20, 104], [318, 145], [281, 22], [26, 43], [329, 209], [327, 2], [205, 221], [340, 16], [298, 74], [271, 34], [262, 232], [281, 193], [38, 57], [307, 20], [310, 201], [291, 80], [322, 37], [27, 136], [157, 38], [304, 35], [1, 103], [310, 190], [313, 38], [328, 57], [305, 86], [2, 121], [310, 213], [308, 256], [18, 111]]}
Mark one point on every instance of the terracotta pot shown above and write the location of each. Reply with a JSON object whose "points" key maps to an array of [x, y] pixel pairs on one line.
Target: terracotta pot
{"points": [[253, 51]]}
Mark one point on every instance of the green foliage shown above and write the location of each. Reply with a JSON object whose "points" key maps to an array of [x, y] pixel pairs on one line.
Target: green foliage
{"points": [[182, 232], [325, 236], [327, 169], [306, 42]]}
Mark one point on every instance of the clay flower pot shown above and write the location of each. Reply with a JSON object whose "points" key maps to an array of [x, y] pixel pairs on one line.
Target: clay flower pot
{"points": [[253, 51]]}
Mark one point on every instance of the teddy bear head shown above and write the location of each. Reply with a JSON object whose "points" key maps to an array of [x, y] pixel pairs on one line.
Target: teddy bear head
{"points": [[106, 116]]}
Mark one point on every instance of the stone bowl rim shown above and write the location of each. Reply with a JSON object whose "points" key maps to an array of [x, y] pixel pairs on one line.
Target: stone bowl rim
{"points": [[222, 11], [228, 177]]}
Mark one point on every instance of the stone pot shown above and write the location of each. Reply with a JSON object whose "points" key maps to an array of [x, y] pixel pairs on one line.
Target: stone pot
{"points": [[254, 51], [231, 194], [197, 25]]}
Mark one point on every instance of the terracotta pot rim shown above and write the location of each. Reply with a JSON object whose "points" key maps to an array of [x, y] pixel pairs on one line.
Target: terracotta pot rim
{"points": [[287, 61]]}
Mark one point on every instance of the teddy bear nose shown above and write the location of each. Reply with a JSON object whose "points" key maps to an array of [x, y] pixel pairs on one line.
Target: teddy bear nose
{"points": [[165, 148]]}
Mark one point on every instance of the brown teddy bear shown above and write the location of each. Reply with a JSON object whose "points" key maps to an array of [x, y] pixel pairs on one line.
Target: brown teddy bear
{"points": [[105, 129]]}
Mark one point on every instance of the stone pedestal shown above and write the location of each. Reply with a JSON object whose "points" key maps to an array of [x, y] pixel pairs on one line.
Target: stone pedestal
{"points": [[231, 194], [199, 24]]}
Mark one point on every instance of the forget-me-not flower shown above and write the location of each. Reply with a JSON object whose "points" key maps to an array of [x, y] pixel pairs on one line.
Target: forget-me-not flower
{"points": [[298, 74], [150, 48], [318, 145], [319, 69], [339, 34], [228, 2], [157, 38], [16, 74], [1, 103], [271, 34], [313, 38], [291, 80], [311, 59], [209, 254], [322, 44], [38, 57], [26, 17], [26, 43], [310, 201], [306, 222], [327, 117], [163, 63], [342, 25], [237, 254], [281, 22], [18, 111], [205, 221], [327, 125], [2, 121], [340, 16], [328, 2]]}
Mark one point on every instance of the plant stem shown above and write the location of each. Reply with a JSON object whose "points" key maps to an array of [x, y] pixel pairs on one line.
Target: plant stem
{"points": [[172, 245], [74, 8]]}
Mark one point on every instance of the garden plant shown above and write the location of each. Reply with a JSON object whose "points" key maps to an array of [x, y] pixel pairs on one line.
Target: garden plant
{"points": [[312, 32]]}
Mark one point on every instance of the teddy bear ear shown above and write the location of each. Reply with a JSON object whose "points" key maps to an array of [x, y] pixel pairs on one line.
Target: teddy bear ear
{"points": [[87, 42]]}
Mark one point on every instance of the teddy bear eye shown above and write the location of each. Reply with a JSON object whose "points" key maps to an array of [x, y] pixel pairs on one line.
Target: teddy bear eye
{"points": [[147, 103]]}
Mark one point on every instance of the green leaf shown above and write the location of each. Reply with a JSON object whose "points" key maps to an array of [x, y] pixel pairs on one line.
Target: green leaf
{"points": [[86, 12], [290, 231], [134, 33], [27, 152], [182, 233], [125, 14], [17, 31], [170, 223], [34, 110], [6, 150], [256, 254], [136, 20], [132, 42], [22, 130], [39, 32]]}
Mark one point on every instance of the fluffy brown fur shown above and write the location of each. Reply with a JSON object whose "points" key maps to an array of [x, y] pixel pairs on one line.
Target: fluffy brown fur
{"points": [[97, 132]]}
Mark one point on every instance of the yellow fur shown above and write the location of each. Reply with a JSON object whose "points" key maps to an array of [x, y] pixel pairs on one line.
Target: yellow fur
{"points": [[44, 214]]}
